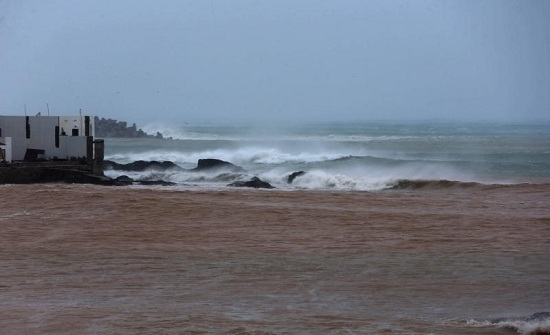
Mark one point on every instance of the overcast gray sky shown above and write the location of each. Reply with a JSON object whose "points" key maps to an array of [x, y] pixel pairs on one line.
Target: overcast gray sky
{"points": [[240, 60]]}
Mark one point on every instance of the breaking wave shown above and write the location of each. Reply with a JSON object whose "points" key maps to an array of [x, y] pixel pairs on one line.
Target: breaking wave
{"points": [[315, 179], [537, 324], [336, 170], [335, 157], [194, 132], [247, 155]]}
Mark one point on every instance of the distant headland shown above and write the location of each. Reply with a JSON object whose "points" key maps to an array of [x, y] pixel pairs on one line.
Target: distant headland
{"points": [[114, 128]]}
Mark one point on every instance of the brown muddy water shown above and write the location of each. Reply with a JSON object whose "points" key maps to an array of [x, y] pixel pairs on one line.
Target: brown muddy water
{"points": [[81, 259]]}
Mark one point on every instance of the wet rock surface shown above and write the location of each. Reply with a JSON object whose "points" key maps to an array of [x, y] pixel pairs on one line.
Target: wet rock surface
{"points": [[139, 166], [293, 176], [254, 183], [212, 163]]}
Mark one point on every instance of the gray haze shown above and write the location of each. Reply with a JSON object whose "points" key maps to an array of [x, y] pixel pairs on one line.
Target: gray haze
{"points": [[247, 60]]}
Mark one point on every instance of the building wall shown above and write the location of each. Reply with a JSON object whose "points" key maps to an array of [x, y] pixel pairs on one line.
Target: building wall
{"points": [[5, 146], [45, 133], [71, 147], [14, 127], [68, 124], [42, 135]]}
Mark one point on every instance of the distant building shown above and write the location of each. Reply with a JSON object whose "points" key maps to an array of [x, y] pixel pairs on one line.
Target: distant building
{"points": [[38, 138]]}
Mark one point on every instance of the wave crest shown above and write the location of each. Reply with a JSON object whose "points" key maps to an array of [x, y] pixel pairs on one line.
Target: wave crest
{"points": [[523, 327]]}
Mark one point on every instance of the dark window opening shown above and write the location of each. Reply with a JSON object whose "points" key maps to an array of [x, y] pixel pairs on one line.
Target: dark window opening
{"points": [[87, 126], [75, 132], [28, 127], [57, 136]]}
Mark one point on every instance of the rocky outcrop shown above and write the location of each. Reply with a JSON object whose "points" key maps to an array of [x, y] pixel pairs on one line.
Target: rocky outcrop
{"points": [[254, 182], [293, 176], [209, 164], [75, 172], [202, 165], [212, 164], [139, 166], [124, 180]]}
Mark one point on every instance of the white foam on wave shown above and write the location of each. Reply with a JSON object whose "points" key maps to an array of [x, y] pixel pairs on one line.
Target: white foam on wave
{"points": [[244, 156], [258, 155], [366, 138], [180, 177], [522, 327], [358, 176], [323, 180], [180, 132], [347, 176], [312, 180], [186, 132], [178, 158]]}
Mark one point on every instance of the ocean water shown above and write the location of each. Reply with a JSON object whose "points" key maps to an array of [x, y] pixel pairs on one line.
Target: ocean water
{"points": [[393, 229], [346, 156], [88, 259]]}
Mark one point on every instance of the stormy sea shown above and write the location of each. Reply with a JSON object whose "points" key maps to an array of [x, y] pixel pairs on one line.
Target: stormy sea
{"points": [[363, 157], [424, 228]]}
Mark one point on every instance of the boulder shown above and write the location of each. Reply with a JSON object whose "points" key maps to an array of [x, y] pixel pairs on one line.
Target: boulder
{"points": [[212, 163], [293, 176], [254, 182], [123, 180]]}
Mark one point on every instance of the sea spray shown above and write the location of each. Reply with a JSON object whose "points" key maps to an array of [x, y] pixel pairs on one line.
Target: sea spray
{"points": [[348, 157]]}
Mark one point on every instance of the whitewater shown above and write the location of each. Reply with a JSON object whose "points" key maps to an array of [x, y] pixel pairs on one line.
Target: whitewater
{"points": [[360, 156]]}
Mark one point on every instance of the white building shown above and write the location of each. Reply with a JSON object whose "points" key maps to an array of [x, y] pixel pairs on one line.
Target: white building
{"points": [[28, 138]]}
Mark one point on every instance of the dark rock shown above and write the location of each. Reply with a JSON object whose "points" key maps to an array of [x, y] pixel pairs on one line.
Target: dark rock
{"points": [[140, 165], [254, 182], [124, 178], [293, 176], [120, 181], [73, 176], [536, 317], [211, 163], [125, 181]]}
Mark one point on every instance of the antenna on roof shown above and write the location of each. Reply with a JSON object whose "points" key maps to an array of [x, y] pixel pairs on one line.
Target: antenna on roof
{"points": [[25, 107], [48, 107]]}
